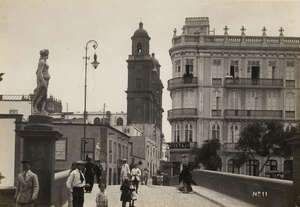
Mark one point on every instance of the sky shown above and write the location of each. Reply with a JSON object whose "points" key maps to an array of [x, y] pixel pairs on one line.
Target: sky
{"points": [[64, 27]]}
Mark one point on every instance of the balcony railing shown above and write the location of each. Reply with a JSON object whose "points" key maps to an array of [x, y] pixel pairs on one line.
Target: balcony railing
{"points": [[182, 113], [217, 81], [253, 83], [290, 83], [216, 112], [182, 83], [15, 97], [252, 114], [290, 114], [236, 40], [230, 147], [182, 145]]}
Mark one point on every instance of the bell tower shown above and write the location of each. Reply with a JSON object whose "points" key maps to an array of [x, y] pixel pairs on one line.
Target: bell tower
{"points": [[143, 75], [140, 42]]}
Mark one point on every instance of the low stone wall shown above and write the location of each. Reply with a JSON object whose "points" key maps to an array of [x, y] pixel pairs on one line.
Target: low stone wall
{"points": [[261, 191], [7, 197], [59, 190]]}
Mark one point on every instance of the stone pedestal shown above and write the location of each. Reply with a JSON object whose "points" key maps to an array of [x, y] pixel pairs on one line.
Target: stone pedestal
{"points": [[7, 197], [39, 147], [295, 144]]}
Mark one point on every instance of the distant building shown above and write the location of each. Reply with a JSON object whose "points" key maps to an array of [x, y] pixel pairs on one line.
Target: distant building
{"points": [[221, 83], [21, 104], [53, 105], [144, 138]]}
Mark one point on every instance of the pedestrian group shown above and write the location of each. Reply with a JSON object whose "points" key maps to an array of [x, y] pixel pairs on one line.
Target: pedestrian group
{"points": [[80, 181]]}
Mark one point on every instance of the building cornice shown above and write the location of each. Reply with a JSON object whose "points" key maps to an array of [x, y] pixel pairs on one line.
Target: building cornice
{"points": [[208, 50]]}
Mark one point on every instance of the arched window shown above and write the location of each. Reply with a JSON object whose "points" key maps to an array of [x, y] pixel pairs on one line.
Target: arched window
{"points": [[215, 131], [119, 121], [188, 133], [177, 133], [139, 48], [97, 121]]}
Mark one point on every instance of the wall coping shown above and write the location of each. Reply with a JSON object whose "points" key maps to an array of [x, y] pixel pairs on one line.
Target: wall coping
{"points": [[7, 187], [249, 177], [62, 174]]}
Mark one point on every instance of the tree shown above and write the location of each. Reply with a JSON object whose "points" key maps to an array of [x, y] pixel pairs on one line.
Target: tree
{"points": [[264, 139], [208, 155]]}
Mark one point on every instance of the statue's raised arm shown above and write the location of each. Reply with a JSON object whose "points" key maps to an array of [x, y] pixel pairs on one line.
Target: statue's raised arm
{"points": [[42, 80]]}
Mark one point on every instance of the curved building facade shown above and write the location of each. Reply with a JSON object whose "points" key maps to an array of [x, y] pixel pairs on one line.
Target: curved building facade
{"points": [[220, 83]]}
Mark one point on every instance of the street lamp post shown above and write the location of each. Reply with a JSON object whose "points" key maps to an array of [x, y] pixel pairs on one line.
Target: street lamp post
{"points": [[95, 63]]}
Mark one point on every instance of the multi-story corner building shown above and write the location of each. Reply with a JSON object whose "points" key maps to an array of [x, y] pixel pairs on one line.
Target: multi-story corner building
{"points": [[144, 96], [220, 83]]}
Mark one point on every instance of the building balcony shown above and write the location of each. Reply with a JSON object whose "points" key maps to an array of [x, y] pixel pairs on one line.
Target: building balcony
{"points": [[182, 82], [290, 84], [252, 114], [182, 145], [230, 147], [216, 81], [216, 112], [252, 83], [182, 114], [290, 114]]}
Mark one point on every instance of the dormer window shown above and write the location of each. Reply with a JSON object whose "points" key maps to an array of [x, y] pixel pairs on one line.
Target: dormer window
{"points": [[139, 48]]}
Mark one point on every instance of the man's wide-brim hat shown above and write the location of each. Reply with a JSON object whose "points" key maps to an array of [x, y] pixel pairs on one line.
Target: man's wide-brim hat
{"points": [[44, 52], [81, 162]]}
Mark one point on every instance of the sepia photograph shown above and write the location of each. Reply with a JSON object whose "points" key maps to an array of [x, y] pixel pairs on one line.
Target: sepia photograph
{"points": [[149, 103]]}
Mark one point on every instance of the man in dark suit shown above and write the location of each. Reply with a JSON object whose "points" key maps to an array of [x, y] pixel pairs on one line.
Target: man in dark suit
{"points": [[27, 188], [89, 175]]}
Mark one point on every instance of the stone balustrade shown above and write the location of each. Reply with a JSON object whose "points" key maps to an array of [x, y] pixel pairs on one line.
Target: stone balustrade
{"points": [[231, 40], [180, 83], [253, 83], [182, 113], [252, 114]]}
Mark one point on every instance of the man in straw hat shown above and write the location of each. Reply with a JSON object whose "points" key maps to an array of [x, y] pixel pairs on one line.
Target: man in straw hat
{"points": [[27, 186], [125, 170], [76, 184]]}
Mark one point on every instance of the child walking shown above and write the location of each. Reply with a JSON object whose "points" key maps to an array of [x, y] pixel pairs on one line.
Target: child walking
{"points": [[126, 193], [133, 195], [101, 197]]}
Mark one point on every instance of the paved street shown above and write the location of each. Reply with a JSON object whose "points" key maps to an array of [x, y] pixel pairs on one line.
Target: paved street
{"points": [[167, 196]]}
